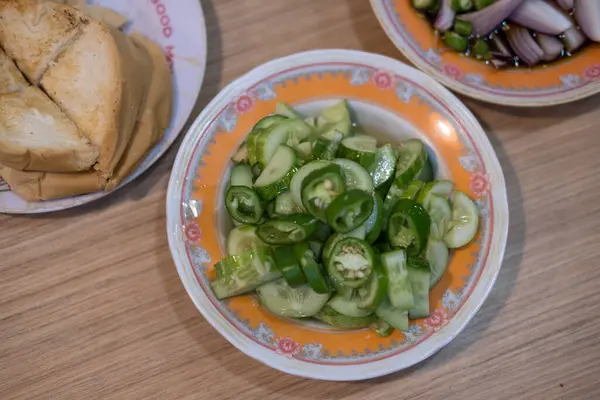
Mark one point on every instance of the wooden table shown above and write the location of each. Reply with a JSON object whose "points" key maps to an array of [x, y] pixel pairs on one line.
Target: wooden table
{"points": [[91, 306]]}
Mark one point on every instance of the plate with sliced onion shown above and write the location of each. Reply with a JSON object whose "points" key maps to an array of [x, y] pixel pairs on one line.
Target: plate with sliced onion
{"points": [[337, 215], [525, 53]]}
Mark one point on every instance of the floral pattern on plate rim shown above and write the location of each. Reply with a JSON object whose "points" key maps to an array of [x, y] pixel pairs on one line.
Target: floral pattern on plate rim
{"points": [[225, 122]]}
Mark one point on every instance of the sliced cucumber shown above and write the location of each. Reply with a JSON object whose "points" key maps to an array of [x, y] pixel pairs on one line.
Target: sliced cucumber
{"points": [[383, 169], [311, 121], [397, 193], [347, 307], [399, 287], [278, 174], [243, 239], [394, 317], [356, 177], [465, 221], [437, 255], [256, 170], [338, 112], [260, 126], [442, 189], [284, 204], [382, 328], [305, 150], [291, 131], [241, 175], [374, 224], [411, 160], [244, 273], [241, 156], [285, 301], [419, 277], [303, 172], [331, 317], [441, 214], [269, 121], [359, 148], [327, 145], [285, 110]]}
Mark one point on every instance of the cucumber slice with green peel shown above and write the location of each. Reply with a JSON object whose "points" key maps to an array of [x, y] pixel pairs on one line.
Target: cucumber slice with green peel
{"points": [[426, 174], [393, 316], [399, 288], [311, 121], [287, 263], [440, 213], [356, 177], [241, 175], [438, 256], [412, 190], [285, 301], [331, 317], [256, 170], [397, 193], [277, 175], [311, 269], [419, 277], [243, 239], [303, 172], [383, 168], [412, 157], [244, 273], [269, 121], [260, 126], [305, 150], [291, 131], [337, 112], [285, 110], [316, 248], [241, 156], [347, 307], [440, 188], [359, 148], [284, 204], [464, 223], [374, 224], [327, 145], [382, 328]]}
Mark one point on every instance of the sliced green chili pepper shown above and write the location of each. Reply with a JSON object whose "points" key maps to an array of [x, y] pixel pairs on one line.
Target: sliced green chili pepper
{"points": [[288, 265], [464, 28], [372, 293], [414, 236], [351, 262], [244, 205], [289, 229], [349, 210], [310, 267], [480, 4], [456, 41], [320, 188], [462, 5], [334, 318]]}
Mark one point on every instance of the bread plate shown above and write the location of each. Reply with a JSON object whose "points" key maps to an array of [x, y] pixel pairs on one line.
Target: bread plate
{"points": [[178, 26], [390, 99]]}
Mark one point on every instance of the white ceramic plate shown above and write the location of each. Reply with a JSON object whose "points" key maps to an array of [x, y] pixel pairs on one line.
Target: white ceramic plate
{"points": [[178, 26], [390, 99]]}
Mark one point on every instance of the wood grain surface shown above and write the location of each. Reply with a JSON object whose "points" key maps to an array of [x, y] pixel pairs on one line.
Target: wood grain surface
{"points": [[91, 306]]}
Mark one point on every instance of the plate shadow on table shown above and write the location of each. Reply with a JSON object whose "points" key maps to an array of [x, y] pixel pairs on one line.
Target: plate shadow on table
{"points": [[153, 178]]}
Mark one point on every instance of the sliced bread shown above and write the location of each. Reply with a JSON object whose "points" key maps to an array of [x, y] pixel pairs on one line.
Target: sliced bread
{"points": [[34, 32], [100, 82], [38, 186], [155, 117], [36, 136], [11, 79]]}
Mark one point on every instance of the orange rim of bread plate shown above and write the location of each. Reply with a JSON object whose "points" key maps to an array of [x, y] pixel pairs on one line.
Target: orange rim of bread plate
{"points": [[195, 215], [560, 82]]}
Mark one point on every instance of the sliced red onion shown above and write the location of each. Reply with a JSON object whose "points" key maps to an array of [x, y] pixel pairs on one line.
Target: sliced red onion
{"points": [[501, 46], [524, 46], [552, 46], [587, 14], [445, 18], [498, 63], [540, 16], [566, 5], [486, 20], [573, 39]]}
